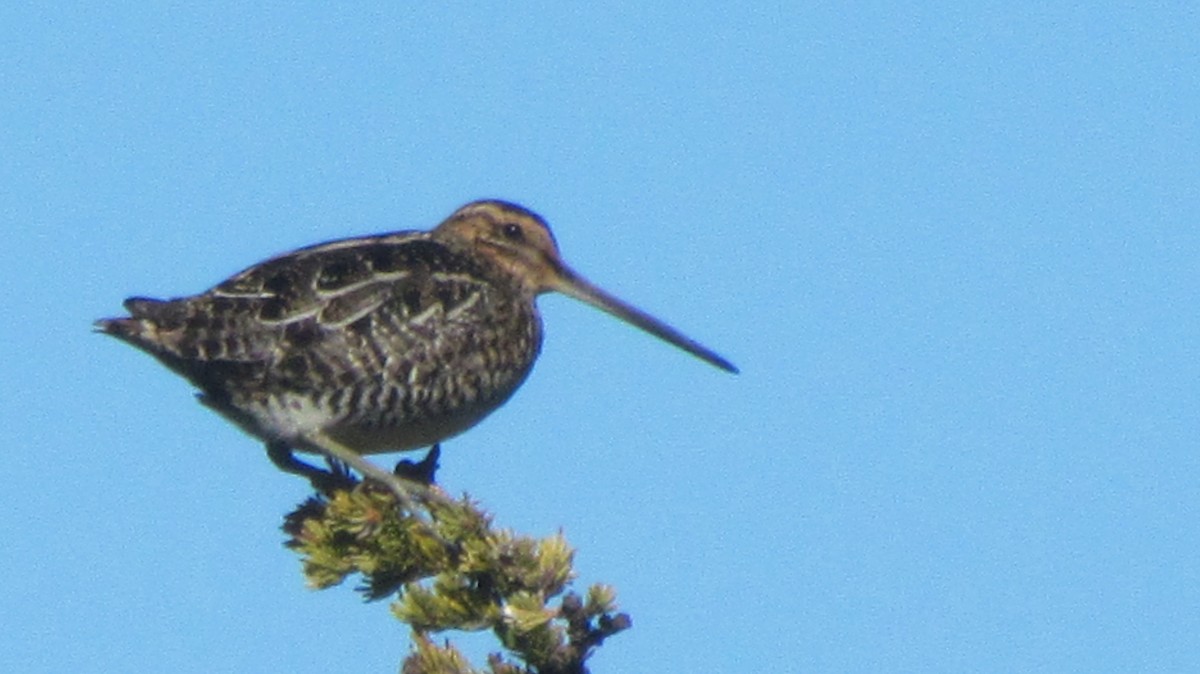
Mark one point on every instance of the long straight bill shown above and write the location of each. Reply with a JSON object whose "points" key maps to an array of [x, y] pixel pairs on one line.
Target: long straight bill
{"points": [[570, 283]]}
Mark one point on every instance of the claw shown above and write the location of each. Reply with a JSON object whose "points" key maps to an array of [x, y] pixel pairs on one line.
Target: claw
{"points": [[420, 471]]}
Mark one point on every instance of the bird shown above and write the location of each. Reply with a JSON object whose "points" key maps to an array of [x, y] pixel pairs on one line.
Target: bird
{"points": [[373, 344]]}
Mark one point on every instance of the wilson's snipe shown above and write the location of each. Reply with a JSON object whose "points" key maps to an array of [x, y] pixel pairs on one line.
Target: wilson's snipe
{"points": [[378, 343]]}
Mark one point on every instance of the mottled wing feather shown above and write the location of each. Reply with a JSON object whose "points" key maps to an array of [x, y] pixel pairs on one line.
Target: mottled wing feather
{"points": [[318, 312], [376, 330]]}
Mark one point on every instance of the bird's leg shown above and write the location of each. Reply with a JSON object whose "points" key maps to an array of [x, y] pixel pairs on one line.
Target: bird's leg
{"points": [[403, 489], [420, 471], [324, 481]]}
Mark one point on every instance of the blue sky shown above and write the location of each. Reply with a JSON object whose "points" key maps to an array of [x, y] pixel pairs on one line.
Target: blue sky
{"points": [[953, 248]]}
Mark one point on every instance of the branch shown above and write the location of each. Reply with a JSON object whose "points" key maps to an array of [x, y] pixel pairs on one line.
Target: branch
{"points": [[450, 569]]}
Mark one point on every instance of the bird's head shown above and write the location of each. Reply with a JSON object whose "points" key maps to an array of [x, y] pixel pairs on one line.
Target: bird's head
{"points": [[519, 242]]}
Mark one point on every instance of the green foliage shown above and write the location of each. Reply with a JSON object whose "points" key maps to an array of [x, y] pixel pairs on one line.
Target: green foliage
{"points": [[449, 569]]}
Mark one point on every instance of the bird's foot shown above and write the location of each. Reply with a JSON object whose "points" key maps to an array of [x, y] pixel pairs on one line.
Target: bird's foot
{"points": [[420, 471], [325, 482], [406, 491], [338, 477]]}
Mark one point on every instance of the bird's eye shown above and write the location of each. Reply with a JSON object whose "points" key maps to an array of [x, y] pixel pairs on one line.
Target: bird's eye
{"points": [[512, 232]]}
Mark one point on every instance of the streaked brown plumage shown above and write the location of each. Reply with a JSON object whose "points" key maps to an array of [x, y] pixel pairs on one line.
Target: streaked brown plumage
{"points": [[378, 343]]}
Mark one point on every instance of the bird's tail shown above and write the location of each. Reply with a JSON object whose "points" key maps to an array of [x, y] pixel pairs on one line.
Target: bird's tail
{"points": [[141, 327]]}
